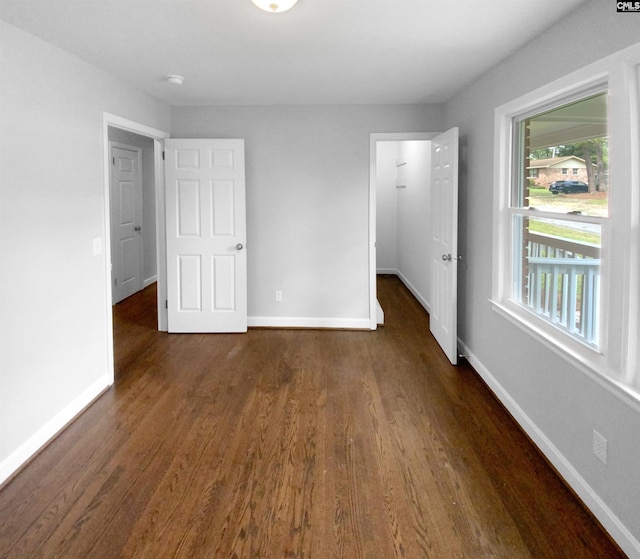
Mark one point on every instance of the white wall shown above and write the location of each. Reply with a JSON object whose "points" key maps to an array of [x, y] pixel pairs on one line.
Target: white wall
{"points": [[307, 201], [54, 354], [558, 404], [413, 219], [386, 207], [149, 253]]}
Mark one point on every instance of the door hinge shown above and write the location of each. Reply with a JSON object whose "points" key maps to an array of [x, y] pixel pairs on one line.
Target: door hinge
{"points": [[114, 160], [166, 304], [163, 156]]}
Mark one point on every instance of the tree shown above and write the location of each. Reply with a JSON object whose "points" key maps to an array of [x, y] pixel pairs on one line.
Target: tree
{"points": [[586, 155], [543, 153], [603, 175]]}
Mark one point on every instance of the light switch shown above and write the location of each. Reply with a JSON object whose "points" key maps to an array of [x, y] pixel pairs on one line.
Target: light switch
{"points": [[97, 246]]}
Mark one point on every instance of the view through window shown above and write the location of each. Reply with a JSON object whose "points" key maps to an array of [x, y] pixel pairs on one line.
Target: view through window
{"points": [[559, 204]]}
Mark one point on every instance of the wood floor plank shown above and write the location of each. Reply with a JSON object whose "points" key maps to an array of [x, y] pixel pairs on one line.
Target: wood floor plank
{"points": [[293, 444]]}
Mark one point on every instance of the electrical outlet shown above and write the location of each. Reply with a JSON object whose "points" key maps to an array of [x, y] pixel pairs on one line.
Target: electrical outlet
{"points": [[600, 447], [278, 295]]}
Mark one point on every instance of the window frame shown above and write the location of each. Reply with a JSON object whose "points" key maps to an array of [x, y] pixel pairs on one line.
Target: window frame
{"points": [[517, 208], [615, 363]]}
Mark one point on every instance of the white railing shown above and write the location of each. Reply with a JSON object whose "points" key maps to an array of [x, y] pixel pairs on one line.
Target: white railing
{"points": [[563, 284]]}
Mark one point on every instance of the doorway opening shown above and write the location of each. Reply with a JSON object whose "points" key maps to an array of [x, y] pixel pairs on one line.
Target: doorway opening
{"points": [[399, 194], [429, 241], [120, 127]]}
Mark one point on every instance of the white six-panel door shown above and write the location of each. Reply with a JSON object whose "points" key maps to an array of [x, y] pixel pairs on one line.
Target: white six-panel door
{"points": [[444, 242], [126, 221], [206, 236]]}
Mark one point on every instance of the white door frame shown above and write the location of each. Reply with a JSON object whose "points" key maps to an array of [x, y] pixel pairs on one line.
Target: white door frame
{"points": [[158, 137], [374, 138]]}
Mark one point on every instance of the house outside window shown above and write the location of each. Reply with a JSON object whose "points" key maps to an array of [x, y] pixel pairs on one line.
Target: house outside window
{"points": [[546, 170]]}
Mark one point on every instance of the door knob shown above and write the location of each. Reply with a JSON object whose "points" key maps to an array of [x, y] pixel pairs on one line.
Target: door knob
{"points": [[239, 246], [446, 257], [137, 228]]}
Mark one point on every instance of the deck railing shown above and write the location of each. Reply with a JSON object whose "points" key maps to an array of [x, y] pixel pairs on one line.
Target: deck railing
{"points": [[562, 283]]}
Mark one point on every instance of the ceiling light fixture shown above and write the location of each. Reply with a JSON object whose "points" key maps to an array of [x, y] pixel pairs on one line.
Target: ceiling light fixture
{"points": [[175, 79], [275, 6]]}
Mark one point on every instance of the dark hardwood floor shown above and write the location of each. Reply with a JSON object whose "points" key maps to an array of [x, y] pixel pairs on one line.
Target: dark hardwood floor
{"points": [[293, 444]]}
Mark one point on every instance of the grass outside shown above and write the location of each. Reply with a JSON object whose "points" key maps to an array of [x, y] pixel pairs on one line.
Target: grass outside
{"points": [[594, 204], [563, 232]]}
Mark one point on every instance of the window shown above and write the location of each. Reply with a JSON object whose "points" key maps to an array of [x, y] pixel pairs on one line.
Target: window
{"points": [[557, 231], [566, 249], [565, 171]]}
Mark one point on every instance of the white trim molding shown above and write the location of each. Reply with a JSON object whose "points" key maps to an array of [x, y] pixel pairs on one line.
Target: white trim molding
{"points": [[308, 322], [150, 281], [419, 296]]}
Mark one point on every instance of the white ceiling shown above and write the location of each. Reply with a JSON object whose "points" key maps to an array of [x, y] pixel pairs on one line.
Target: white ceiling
{"points": [[319, 52]]}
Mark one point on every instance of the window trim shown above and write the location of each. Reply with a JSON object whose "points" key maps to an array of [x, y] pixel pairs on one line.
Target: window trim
{"points": [[516, 207], [503, 272], [615, 365]]}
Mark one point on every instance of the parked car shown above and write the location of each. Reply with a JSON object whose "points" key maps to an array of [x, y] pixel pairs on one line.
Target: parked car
{"points": [[568, 186]]}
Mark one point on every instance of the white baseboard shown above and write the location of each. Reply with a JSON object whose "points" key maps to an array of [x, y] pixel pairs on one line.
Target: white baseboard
{"points": [[379, 313], [617, 530], [421, 299], [304, 322], [149, 281], [19, 457]]}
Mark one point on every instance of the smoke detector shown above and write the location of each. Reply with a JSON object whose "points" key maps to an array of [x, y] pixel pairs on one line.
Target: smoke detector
{"points": [[175, 79]]}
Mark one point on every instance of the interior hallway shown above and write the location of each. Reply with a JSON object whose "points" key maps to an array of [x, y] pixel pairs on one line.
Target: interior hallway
{"points": [[293, 443]]}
